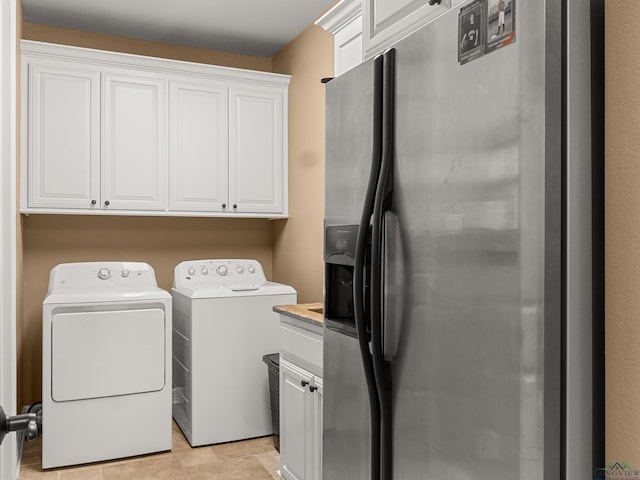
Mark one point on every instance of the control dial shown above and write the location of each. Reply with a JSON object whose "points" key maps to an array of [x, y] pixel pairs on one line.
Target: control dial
{"points": [[205, 271], [222, 270], [125, 273], [240, 270], [252, 269], [104, 274], [191, 271]]}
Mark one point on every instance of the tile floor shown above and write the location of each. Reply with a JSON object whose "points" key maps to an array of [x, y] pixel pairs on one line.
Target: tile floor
{"points": [[255, 459]]}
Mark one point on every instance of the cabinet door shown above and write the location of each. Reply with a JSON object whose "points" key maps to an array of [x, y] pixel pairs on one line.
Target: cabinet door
{"points": [[134, 159], [256, 150], [198, 158], [385, 22], [316, 450], [295, 412], [63, 146], [347, 46]]}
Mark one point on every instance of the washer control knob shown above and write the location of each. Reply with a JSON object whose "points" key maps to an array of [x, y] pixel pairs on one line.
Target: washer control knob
{"points": [[125, 273], [252, 269], [104, 274], [240, 270], [222, 270], [191, 271], [205, 271]]}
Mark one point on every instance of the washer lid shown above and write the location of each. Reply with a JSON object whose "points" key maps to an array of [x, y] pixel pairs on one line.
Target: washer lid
{"points": [[221, 291]]}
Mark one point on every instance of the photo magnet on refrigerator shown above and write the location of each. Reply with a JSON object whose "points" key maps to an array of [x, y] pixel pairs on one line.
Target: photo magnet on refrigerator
{"points": [[485, 26], [501, 24], [471, 28]]}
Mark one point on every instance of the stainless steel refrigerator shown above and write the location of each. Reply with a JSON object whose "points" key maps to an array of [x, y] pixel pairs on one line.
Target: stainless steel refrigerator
{"points": [[463, 250]]}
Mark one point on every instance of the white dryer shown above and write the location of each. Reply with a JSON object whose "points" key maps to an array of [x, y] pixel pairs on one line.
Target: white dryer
{"points": [[106, 371], [224, 324]]}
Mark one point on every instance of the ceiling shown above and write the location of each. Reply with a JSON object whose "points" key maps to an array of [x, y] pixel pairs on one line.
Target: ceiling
{"points": [[251, 27]]}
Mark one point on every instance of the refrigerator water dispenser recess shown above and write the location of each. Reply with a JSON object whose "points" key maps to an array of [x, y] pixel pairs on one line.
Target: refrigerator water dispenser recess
{"points": [[340, 246]]}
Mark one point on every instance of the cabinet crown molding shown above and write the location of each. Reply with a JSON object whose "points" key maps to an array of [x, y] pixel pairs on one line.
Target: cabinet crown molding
{"points": [[33, 49], [340, 15]]}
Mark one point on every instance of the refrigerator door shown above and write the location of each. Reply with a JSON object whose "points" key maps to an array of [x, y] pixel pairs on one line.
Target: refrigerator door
{"points": [[476, 210], [349, 145]]}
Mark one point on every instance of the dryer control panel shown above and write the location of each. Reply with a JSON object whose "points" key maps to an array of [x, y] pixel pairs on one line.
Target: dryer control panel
{"points": [[101, 275], [234, 274]]}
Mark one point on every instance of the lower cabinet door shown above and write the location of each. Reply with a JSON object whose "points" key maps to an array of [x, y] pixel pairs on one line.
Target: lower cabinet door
{"points": [[317, 429], [295, 426]]}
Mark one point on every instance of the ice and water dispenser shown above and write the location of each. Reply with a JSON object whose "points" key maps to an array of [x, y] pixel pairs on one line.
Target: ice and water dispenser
{"points": [[340, 253]]}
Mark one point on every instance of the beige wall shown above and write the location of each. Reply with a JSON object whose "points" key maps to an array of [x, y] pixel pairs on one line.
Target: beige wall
{"points": [[298, 244], [289, 250], [78, 38], [622, 227]]}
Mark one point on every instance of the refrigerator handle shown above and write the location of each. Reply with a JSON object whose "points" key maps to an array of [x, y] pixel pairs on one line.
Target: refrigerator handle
{"points": [[382, 203], [392, 278], [361, 313]]}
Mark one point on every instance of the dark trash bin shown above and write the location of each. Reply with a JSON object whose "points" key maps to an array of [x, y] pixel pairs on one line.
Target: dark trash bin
{"points": [[273, 367]]}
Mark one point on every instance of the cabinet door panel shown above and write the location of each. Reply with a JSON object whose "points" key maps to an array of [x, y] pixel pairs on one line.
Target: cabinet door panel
{"points": [[256, 150], [316, 450], [64, 136], [347, 44], [134, 151], [386, 23], [199, 148], [294, 424]]}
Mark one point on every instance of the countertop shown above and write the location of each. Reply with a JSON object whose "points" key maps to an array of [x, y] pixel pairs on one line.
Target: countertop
{"points": [[307, 312]]}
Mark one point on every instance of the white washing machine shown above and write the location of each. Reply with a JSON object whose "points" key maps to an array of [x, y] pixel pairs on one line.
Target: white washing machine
{"points": [[106, 371], [224, 324]]}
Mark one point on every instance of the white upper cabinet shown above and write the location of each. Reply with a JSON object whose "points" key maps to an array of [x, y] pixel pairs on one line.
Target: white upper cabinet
{"points": [[199, 151], [110, 133], [134, 151], [63, 149], [385, 23], [256, 150], [344, 21], [365, 28]]}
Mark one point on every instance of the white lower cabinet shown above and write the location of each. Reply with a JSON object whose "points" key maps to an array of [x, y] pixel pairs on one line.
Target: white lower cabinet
{"points": [[300, 423], [301, 396]]}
